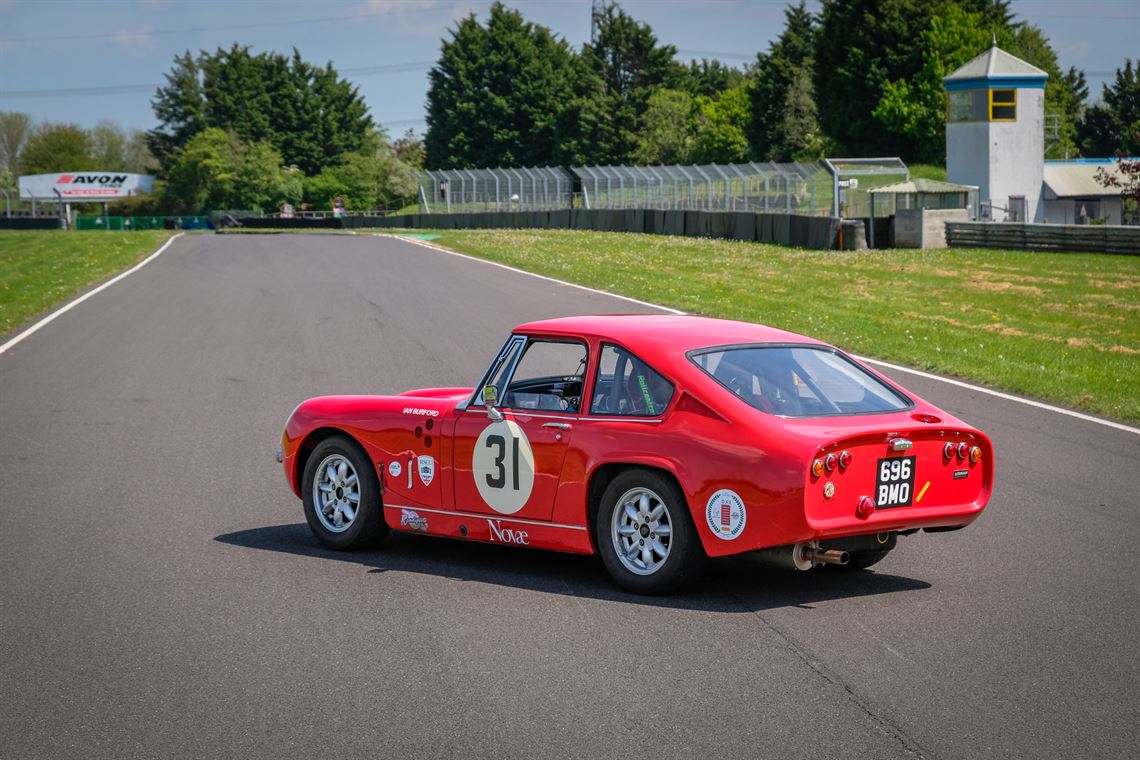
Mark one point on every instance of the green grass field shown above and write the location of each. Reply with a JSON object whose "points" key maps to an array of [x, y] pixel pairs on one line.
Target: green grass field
{"points": [[41, 269], [1063, 327]]}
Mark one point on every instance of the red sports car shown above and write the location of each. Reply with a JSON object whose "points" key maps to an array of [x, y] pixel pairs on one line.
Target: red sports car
{"points": [[654, 441]]}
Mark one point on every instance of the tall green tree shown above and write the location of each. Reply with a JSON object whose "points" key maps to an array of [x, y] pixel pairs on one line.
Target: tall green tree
{"points": [[915, 109], [614, 78], [496, 93], [307, 113], [781, 80], [217, 170], [668, 129], [109, 146], [1112, 126], [710, 78], [15, 128], [722, 124], [57, 148], [864, 44]]}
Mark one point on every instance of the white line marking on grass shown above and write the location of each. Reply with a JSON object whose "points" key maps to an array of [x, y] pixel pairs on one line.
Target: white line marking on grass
{"points": [[69, 306], [919, 373]]}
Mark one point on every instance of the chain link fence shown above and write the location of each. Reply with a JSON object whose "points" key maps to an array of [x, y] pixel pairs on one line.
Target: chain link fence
{"points": [[455, 191]]}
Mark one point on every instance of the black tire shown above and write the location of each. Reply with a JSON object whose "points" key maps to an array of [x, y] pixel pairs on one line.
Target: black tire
{"points": [[861, 561], [684, 558], [367, 527]]}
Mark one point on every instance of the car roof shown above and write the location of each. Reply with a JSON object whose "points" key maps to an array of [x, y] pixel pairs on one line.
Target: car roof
{"points": [[656, 332]]}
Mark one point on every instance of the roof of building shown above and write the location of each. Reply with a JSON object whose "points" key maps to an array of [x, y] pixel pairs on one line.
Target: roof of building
{"points": [[922, 186], [995, 63], [1064, 179]]}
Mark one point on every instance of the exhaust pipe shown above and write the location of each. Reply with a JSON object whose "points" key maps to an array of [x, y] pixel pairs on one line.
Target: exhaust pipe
{"points": [[801, 556]]}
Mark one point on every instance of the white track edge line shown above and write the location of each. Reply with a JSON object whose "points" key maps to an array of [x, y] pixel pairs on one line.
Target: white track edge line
{"points": [[919, 373], [72, 304], [441, 249]]}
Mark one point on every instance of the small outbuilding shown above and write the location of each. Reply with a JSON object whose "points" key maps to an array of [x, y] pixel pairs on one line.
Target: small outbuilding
{"points": [[921, 209], [1074, 196]]}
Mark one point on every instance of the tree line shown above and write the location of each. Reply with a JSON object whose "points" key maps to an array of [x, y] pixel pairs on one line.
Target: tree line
{"points": [[861, 78], [238, 130]]}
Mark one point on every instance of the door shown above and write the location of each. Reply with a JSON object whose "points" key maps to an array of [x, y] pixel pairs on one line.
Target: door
{"points": [[512, 467]]}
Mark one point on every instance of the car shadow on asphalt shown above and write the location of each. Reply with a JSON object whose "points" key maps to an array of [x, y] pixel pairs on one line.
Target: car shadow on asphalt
{"points": [[732, 584]]}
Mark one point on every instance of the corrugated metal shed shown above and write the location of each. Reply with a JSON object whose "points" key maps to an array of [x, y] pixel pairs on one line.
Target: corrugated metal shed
{"points": [[1077, 180], [995, 62]]}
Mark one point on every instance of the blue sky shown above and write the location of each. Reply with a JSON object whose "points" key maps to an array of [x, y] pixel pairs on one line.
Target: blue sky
{"points": [[100, 59]]}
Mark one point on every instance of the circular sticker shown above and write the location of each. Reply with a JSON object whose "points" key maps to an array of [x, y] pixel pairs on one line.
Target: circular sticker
{"points": [[503, 466], [395, 469], [725, 514]]}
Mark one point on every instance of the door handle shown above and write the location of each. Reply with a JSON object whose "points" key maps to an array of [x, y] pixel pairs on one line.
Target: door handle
{"points": [[559, 425]]}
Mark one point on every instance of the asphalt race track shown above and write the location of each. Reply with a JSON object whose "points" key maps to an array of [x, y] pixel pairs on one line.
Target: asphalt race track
{"points": [[161, 597]]}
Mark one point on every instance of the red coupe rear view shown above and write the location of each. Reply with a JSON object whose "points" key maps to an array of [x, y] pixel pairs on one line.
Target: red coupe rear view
{"points": [[654, 441]]}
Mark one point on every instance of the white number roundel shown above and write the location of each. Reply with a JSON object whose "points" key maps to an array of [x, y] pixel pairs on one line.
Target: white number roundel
{"points": [[503, 466]]}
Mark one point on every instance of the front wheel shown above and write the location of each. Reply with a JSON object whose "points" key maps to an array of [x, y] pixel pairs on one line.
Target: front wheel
{"points": [[645, 534], [341, 494]]}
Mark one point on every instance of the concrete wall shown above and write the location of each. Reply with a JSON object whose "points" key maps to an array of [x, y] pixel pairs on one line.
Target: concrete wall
{"points": [[925, 228]]}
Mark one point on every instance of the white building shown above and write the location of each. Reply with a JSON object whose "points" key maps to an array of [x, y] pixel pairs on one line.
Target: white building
{"points": [[995, 134]]}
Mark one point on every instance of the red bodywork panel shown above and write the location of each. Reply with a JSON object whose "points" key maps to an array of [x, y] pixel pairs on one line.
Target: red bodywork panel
{"points": [[709, 440]]}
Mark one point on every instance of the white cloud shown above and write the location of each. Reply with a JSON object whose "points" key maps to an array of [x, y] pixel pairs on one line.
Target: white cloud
{"points": [[133, 38]]}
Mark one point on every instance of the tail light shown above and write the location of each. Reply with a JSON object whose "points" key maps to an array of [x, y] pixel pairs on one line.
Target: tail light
{"points": [[963, 450], [948, 451], [975, 455], [831, 462], [865, 508], [817, 467], [845, 459]]}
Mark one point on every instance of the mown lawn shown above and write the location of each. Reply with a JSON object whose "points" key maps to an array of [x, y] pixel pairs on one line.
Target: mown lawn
{"points": [[41, 269], [1062, 327]]}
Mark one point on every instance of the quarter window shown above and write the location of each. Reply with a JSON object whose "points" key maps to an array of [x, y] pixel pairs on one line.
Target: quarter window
{"points": [[628, 387]]}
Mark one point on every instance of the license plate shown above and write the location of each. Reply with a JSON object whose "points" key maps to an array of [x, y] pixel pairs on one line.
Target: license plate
{"points": [[894, 485]]}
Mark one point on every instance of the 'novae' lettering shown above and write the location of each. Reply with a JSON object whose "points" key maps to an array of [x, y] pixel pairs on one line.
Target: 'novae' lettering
{"points": [[508, 535]]}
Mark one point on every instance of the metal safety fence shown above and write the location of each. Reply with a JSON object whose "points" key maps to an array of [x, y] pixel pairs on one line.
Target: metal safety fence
{"points": [[833, 187]]}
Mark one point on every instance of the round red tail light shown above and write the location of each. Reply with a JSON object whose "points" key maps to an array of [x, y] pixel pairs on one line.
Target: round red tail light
{"points": [[948, 451], [963, 450], [817, 467], [831, 462], [865, 508], [975, 455], [845, 459]]}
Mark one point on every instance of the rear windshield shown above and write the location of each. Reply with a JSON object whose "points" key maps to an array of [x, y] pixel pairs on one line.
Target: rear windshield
{"points": [[798, 381]]}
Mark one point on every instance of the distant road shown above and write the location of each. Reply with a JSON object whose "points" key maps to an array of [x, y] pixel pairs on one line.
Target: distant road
{"points": [[162, 598]]}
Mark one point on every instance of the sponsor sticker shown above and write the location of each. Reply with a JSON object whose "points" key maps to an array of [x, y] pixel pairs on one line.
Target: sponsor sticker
{"points": [[413, 520], [395, 469], [725, 514], [421, 412], [503, 535], [426, 466]]}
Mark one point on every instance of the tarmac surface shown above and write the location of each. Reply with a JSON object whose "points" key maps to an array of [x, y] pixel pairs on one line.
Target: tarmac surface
{"points": [[161, 596]]}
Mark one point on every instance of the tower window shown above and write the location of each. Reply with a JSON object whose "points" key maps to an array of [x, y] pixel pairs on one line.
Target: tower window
{"points": [[1003, 105]]}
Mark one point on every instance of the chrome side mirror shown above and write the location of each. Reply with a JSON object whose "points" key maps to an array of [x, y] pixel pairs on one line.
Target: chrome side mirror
{"points": [[490, 398]]}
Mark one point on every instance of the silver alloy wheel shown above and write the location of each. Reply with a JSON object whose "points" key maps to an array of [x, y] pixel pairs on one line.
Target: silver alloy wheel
{"points": [[336, 493], [642, 531]]}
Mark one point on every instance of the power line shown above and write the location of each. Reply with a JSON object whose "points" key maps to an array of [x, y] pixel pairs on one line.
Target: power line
{"points": [[117, 89]]}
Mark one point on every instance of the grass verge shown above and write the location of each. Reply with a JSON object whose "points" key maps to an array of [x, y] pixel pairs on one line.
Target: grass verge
{"points": [[1062, 327], [41, 269]]}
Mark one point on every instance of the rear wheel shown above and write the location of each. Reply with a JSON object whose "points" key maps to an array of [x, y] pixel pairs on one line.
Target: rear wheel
{"points": [[645, 534], [341, 494]]}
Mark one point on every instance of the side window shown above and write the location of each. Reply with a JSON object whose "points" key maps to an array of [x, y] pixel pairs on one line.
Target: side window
{"points": [[627, 386], [548, 377]]}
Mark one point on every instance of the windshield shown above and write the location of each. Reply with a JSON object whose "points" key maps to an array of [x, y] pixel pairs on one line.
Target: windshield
{"points": [[798, 381]]}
